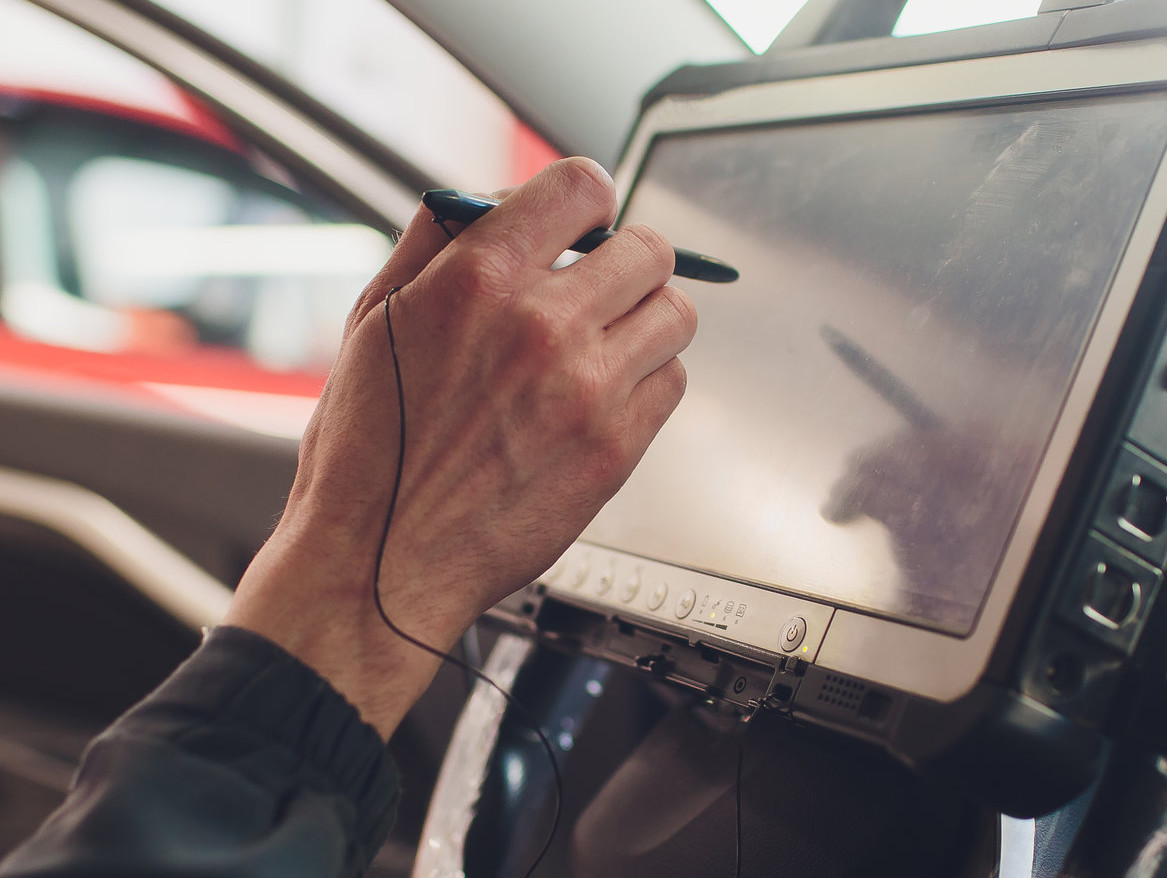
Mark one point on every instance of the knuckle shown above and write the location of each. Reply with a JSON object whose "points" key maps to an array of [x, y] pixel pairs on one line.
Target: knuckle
{"points": [[370, 297], [655, 249], [540, 332], [684, 308], [605, 429], [483, 269], [588, 181], [588, 412], [600, 425], [585, 400], [674, 380], [611, 462], [607, 447]]}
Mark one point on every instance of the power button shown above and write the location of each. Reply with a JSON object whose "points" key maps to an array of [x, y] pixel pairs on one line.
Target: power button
{"points": [[792, 634]]}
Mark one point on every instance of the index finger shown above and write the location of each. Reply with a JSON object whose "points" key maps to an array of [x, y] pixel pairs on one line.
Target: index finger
{"points": [[421, 241], [541, 219]]}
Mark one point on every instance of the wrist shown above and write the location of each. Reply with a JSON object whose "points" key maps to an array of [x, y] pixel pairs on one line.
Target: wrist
{"points": [[283, 593]]}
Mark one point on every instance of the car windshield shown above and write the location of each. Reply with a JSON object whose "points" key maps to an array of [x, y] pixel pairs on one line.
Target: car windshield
{"points": [[365, 60], [373, 65]]}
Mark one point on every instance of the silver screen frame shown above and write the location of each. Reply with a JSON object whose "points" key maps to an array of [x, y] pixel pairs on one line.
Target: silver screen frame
{"points": [[927, 663]]}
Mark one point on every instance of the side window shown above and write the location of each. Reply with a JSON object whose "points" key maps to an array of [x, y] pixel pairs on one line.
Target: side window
{"points": [[238, 267], [132, 223]]}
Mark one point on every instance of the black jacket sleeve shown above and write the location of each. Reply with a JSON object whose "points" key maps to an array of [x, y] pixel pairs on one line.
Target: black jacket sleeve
{"points": [[243, 763]]}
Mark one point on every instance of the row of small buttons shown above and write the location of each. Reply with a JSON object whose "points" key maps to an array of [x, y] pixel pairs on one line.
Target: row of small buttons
{"points": [[660, 594], [629, 589], [577, 570]]}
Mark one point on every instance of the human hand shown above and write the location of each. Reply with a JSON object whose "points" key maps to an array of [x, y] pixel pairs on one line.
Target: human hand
{"points": [[530, 394]]}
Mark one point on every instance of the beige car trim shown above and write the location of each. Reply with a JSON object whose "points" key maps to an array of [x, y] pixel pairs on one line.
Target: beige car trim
{"points": [[148, 564]]}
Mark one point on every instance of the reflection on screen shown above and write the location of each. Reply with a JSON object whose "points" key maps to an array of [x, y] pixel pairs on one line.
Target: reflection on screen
{"points": [[868, 405]]}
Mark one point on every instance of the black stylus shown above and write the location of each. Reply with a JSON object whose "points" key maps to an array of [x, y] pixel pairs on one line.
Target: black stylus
{"points": [[462, 207]]}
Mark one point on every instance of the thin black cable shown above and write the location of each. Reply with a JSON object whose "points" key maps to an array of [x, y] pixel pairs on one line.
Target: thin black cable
{"points": [[470, 651], [737, 858], [446, 657]]}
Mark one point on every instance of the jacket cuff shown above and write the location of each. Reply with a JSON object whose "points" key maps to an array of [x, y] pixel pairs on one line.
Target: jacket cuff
{"points": [[239, 694]]}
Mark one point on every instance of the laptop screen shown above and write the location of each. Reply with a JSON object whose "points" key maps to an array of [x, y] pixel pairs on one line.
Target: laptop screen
{"points": [[869, 403]]}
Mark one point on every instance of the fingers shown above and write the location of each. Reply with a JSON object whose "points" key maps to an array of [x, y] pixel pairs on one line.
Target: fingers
{"points": [[421, 241], [641, 348], [653, 399], [651, 334], [550, 212], [616, 276]]}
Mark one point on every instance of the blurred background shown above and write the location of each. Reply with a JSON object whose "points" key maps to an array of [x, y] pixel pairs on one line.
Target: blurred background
{"points": [[164, 251]]}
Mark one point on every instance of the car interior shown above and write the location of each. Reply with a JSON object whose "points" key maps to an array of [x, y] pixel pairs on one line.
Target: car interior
{"points": [[881, 599]]}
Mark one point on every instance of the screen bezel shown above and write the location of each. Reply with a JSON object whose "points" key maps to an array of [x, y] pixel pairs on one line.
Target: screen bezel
{"points": [[928, 663]]}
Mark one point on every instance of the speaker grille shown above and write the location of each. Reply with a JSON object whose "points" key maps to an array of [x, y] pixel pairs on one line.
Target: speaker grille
{"points": [[842, 693]]}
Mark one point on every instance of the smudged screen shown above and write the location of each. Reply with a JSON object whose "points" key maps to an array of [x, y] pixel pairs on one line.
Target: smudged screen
{"points": [[868, 405]]}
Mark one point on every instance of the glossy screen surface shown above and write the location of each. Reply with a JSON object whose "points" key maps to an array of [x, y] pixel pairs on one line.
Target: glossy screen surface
{"points": [[868, 405]]}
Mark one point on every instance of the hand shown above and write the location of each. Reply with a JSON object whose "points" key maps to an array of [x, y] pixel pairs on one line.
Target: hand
{"points": [[530, 394]]}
